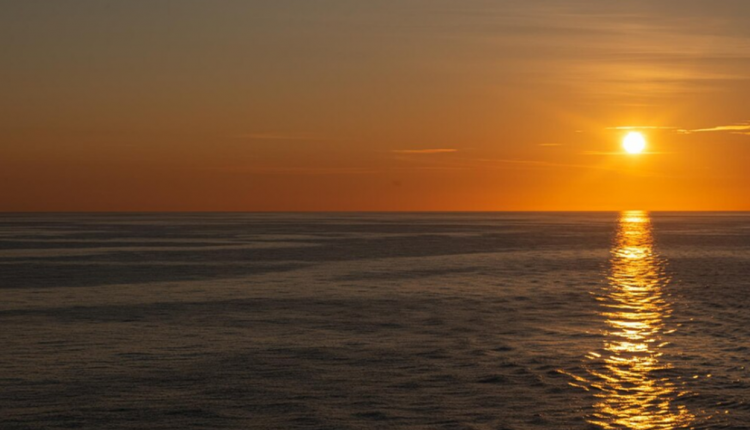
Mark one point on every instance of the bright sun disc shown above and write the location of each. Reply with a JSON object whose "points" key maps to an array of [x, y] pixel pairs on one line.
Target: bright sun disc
{"points": [[634, 143]]}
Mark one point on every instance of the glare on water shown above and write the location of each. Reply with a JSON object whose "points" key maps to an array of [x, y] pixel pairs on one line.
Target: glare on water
{"points": [[631, 388]]}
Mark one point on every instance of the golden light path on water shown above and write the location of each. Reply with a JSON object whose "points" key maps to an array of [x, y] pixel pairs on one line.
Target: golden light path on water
{"points": [[628, 378]]}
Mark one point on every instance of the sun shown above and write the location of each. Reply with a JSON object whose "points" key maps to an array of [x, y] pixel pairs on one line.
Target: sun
{"points": [[634, 143]]}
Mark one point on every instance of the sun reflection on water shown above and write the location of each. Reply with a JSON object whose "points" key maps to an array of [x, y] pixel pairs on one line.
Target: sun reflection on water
{"points": [[629, 377]]}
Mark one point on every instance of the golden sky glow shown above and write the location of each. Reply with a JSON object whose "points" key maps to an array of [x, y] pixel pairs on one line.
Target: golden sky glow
{"points": [[361, 105]]}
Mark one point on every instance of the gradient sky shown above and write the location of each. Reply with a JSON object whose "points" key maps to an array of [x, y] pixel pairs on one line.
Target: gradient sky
{"points": [[232, 105]]}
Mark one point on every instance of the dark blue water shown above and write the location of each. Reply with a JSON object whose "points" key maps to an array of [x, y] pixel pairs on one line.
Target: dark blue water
{"points": [[354, 321]]}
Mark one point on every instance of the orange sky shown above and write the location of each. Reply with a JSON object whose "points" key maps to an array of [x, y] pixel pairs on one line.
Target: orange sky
{"points": [[361, 105]]}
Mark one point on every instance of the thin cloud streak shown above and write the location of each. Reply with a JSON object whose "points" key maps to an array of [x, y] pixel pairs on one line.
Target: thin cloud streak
{"points": [[424, 151], [635, 127], [621, 153], [281, 170], [501, 163], [456, 165], [732, 128], [279, 136], [316, 171]]}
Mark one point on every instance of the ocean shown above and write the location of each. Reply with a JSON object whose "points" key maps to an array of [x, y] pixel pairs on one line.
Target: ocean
{"points": [[501, 321]]}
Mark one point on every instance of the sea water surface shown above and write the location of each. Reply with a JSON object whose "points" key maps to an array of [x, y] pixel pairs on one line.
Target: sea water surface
{"points": [[375, 321]]}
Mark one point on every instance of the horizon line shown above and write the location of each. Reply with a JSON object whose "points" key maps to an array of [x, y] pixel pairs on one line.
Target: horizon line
{"points": [[107, 212]]}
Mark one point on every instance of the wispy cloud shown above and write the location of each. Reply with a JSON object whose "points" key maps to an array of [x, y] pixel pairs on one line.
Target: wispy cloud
{"points": [[499, 163], [742, 128], [291, 170], [735, 128], [638, 127], [278, 136], [621, 153], [424, 151], [503, 163]]}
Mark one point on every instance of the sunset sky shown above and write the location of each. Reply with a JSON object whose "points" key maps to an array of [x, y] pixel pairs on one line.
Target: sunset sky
{"points": [[402, 105]]}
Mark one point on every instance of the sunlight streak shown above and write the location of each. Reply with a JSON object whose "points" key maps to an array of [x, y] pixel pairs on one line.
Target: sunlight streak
{"points": [[633, 389]]}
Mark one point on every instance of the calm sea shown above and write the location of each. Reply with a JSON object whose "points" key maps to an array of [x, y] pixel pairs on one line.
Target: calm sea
{"points": [[375, 321]]}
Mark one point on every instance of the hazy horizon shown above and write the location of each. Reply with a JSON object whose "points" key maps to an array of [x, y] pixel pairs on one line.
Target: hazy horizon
{"points": [[612, 211]]}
